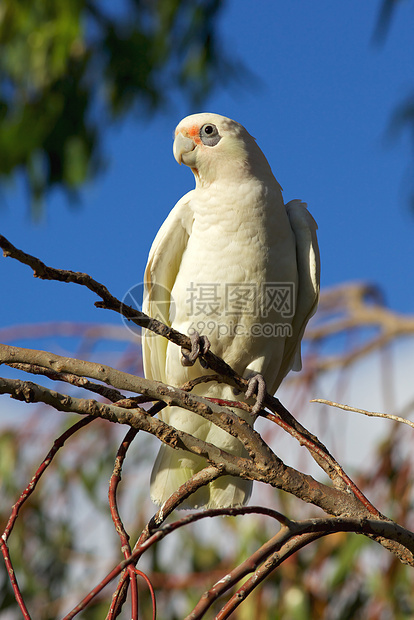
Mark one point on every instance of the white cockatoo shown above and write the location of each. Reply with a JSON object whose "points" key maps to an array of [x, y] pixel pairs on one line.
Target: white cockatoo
{"points": [[233, 263]]}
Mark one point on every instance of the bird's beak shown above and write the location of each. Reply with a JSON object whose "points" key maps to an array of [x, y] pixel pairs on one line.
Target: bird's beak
{"points": [[182, 146]]}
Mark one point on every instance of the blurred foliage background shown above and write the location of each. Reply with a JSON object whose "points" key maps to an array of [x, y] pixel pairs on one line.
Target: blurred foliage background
{"points": [[64, 541], [69, 69]]}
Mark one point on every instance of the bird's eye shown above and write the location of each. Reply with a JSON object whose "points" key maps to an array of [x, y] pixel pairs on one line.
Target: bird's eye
{"points": [[209, 135]]}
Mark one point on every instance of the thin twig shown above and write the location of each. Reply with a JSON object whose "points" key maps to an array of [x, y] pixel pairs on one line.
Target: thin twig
{"points": [[189, 385], [58, 443], [81, 382], [230, 579], [199, 479], [293, 536], [131, 571], [331, 463], [152, 592], [272, 561], [372, 414], [13, 579], [369, 527], [119, 526]]}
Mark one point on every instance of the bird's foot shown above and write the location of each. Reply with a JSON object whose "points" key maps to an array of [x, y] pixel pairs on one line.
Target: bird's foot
{"points": [[257, 385], [199, 346]]}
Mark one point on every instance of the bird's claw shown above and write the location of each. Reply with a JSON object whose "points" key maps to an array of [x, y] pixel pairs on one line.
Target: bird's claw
{"points": [[257, 385], [199, 347]]}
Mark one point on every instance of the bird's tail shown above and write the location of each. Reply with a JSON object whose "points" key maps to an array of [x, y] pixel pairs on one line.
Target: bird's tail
{"points": [[173, 468]]}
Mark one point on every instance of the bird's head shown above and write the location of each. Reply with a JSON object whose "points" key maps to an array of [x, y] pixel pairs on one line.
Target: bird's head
{"points": [[214, 147]]}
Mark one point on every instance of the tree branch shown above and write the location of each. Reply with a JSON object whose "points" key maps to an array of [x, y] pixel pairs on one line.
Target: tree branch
{"points": [[314, 446], [351, 510], [274, 471], [372, 414], [307, 531]]}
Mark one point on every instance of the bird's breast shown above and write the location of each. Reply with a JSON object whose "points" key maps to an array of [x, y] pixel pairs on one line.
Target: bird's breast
{"points": [[240, 245]]}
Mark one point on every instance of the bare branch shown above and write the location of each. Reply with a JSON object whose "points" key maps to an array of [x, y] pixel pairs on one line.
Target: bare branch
{"points": [[285, 544], [199, 479], [351, 509], [290, 530], [13, 580], [119, 526], [217, 364], [293, 536], [109, 393], [110, 302], [268, 468], [255, 446], [340, 479], [355, 306], [59, 442], [373, 414]]}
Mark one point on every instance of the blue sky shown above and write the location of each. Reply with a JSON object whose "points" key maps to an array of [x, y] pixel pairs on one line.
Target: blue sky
{"points": [[319, 110]]}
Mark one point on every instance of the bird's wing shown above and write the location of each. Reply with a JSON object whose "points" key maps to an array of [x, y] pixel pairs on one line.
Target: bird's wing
{"points": [[309, 270], [308, 264], [161, 271]]}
